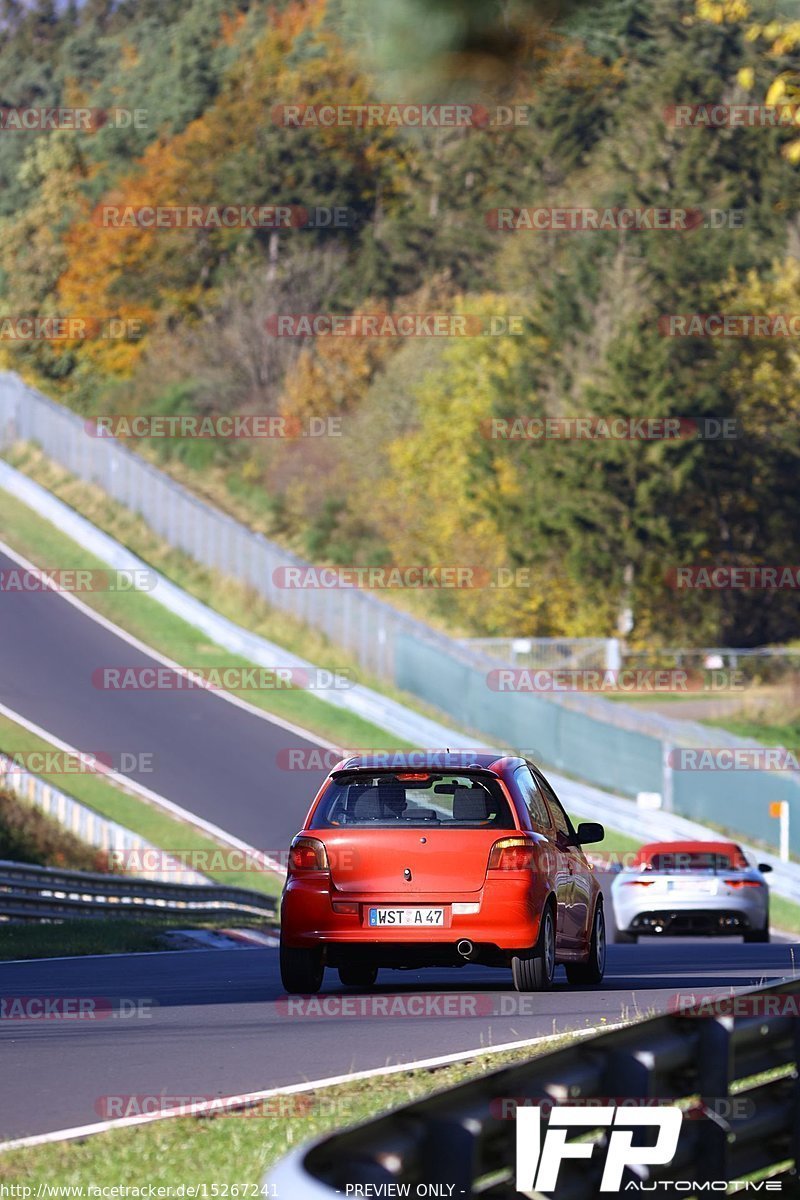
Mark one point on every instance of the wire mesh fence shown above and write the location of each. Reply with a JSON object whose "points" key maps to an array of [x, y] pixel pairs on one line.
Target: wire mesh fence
{"points": [[615, 746]]}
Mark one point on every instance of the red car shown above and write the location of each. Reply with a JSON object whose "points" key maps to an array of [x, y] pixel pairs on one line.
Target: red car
{"points": [[440, 859]]}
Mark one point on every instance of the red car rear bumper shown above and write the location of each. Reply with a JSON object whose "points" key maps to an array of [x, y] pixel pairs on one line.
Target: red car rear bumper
{"points": [[508, 915]]}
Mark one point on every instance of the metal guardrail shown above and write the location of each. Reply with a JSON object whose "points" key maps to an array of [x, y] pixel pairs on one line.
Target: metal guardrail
{"points": [[731, 654], [33, 893], [460, 1137]]}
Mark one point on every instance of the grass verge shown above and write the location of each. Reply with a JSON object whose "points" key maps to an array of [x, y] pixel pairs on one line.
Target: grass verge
{"points": [[773, 733], [784, 914], [235, 1148], [90, 936]]}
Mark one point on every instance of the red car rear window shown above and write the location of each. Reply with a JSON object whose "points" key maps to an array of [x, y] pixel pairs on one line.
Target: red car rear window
{"points": [[462, 801]]}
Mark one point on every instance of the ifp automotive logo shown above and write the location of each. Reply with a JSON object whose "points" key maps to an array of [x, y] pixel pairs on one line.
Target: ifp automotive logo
{"points": [[539, 1157], [542, 1147]]}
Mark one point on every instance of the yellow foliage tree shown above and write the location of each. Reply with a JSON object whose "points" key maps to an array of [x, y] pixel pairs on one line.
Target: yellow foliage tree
{"points": [[782, 37], [430, 504]]}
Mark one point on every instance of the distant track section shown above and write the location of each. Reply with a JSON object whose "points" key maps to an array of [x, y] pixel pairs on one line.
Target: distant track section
{"points": [[220, 760]]}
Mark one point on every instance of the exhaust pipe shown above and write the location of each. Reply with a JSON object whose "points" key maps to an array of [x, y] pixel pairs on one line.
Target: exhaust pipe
{"points": [[465, 948]]}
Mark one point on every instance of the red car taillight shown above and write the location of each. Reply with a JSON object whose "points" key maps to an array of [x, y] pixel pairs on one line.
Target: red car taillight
{"points": [[512, 854], [639, 882], [737, 883], [308, 854]]}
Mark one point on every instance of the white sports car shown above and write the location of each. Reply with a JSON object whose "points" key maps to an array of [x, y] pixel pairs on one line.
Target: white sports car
{"points": [[691, 888]]}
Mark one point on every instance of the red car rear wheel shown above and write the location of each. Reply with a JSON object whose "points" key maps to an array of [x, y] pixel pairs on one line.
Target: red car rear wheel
{"points": [[593, 969], [301, 970], [534, 971]]}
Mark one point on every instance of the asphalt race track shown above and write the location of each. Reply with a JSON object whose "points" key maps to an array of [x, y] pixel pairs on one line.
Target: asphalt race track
{"points": [[216, 1022], [210, 756]]}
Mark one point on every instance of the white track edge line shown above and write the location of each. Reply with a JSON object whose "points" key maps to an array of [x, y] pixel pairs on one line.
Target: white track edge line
{"points": [[57, 958], [156, 655], [150, 797], [246, 1099]]}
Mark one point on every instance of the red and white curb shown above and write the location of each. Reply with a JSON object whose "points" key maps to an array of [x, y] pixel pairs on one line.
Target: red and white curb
{"points": [[227, 939]]}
